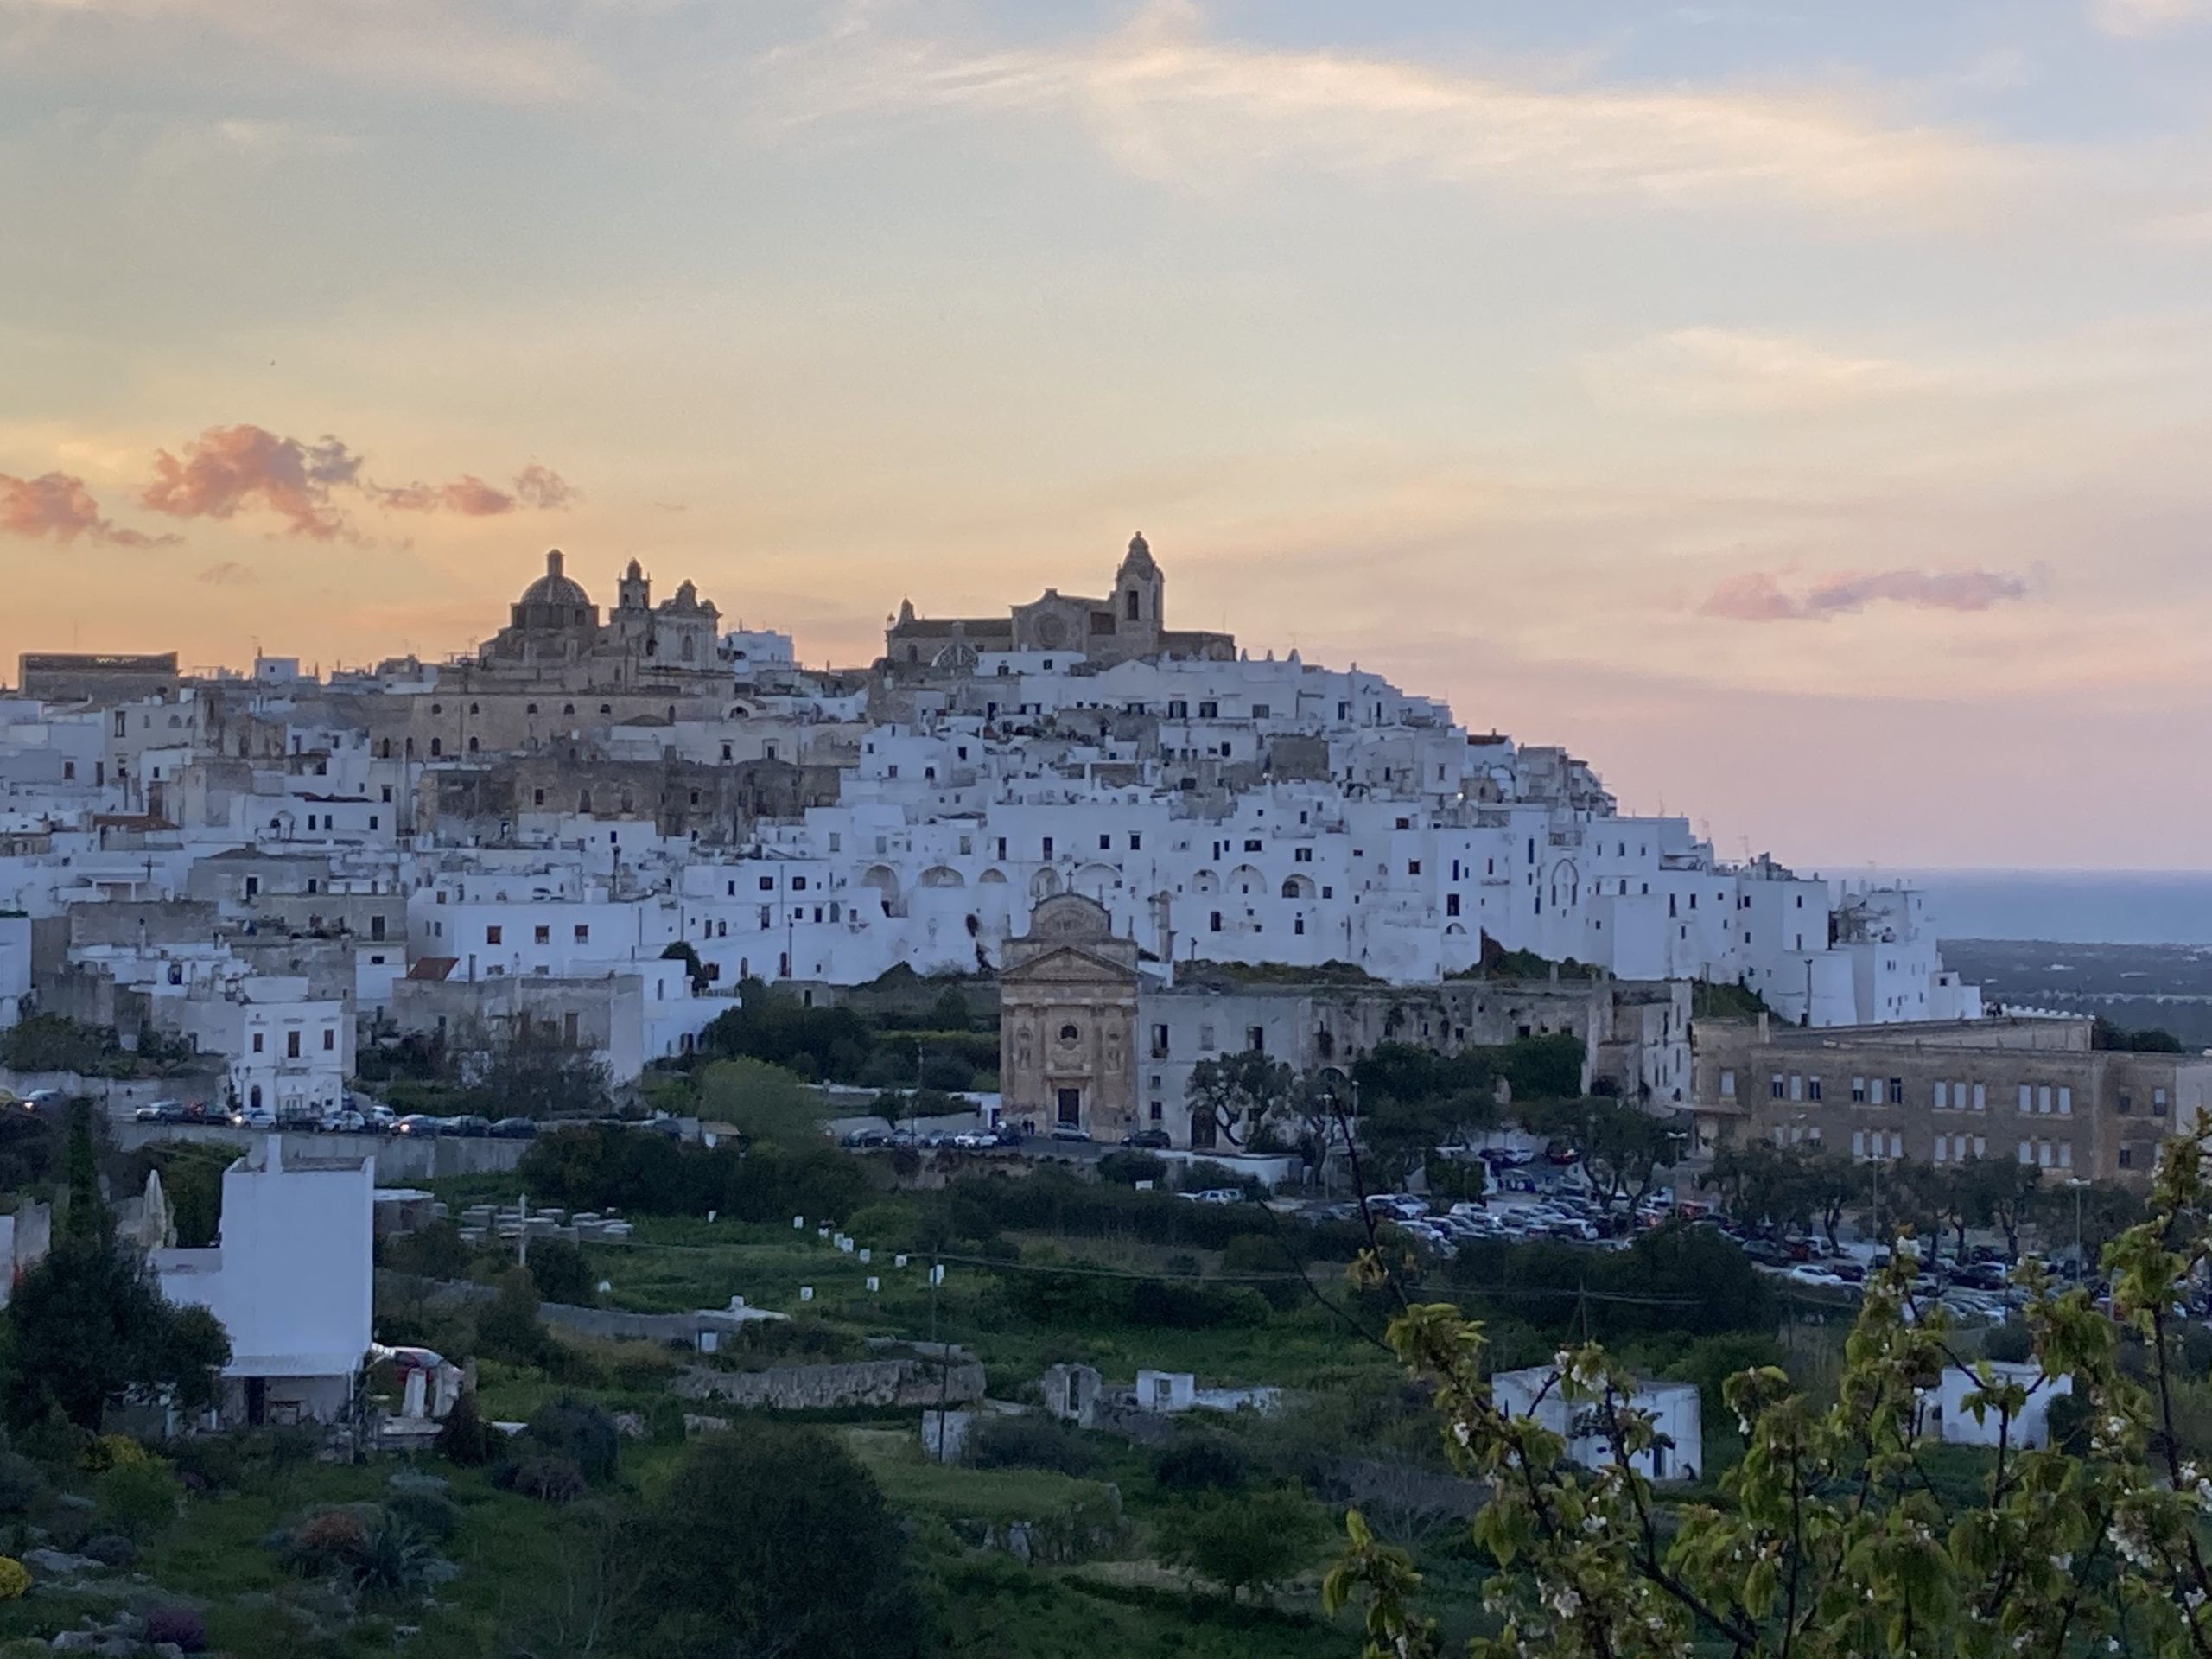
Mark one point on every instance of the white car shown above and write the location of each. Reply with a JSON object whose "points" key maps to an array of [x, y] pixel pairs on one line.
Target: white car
{"points": [[1811, 1273], [342, 1122]]}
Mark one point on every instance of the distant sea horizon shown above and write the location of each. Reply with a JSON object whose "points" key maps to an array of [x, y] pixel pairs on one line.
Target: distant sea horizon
{"points": [[2171, 907]]}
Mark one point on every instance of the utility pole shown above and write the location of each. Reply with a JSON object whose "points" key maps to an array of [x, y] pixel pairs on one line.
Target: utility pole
{"points": [[943, 1359], [521, 1233]]}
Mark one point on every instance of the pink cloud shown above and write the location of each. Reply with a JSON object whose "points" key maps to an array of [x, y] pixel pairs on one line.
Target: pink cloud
{"points": [[1756, 596], [228, 467], [57, 506], [229, 574], [467, 495]]}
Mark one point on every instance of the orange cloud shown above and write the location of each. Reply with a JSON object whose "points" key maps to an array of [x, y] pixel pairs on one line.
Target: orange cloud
{"points": [[229, 574], [57, 506], [228, 467], [1756, 596]]}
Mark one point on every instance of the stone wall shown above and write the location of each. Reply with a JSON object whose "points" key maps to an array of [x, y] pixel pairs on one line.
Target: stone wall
{"points": [[401, 1159], [823, 1388]]}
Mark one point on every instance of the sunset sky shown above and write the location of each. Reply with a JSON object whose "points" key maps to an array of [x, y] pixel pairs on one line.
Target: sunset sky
{"points": [[1801, 411]]}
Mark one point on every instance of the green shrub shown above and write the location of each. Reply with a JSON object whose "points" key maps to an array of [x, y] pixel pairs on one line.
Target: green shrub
{"points": [[1196, 1461], [1031, 1440], [562, 1273], [546, 1476], [22, 1482], [431, 1515], [580, 1432], [139, 1500]]}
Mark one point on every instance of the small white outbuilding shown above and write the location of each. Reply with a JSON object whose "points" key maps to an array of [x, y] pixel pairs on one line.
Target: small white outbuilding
{"points": [[1676, 1453]]}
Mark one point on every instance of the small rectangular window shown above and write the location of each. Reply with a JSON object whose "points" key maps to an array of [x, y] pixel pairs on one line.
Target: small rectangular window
{"points": [[1774, 1087], [491, 935], [1896, 1091], [1727, 1086], [584, 934], [2065, 1101]]}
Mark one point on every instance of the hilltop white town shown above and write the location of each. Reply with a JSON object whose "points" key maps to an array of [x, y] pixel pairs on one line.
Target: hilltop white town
{"points": [[1000, 1033]]}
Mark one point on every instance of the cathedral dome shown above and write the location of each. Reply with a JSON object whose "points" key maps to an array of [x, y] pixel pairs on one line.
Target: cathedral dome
{"points": [[555, 587]]}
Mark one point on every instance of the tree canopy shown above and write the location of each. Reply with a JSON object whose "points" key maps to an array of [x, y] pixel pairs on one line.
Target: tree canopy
{"points": [[771, 1540], [1829, 1540]]}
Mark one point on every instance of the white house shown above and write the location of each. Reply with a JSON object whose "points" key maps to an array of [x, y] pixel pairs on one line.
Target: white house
{"points": [[291, 1278], [1944, 1410], [1676, 1453]]}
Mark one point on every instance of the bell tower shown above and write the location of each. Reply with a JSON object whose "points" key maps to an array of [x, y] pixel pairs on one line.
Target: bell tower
{"points": [[1139, 596], [635, 591]]}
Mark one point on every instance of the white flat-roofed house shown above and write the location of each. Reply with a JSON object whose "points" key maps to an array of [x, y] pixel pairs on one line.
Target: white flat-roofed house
{"points": [[291, 1278], [1677, 1451]]}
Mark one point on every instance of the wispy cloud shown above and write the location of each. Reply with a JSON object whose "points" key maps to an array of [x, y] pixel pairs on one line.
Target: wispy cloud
{"points": [[59, 507], [227, 574], [543, 488], [1725, 370], [1168, 102], [1759, 596], [458, 46], [2139, 19]]}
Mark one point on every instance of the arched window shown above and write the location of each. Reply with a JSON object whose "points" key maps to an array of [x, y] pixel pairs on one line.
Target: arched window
{"points": [[437, 746], [472, 746], [567, 708], [438, 708], [473, 709], [530, 708], [1070, 1033], [1133, 604]]}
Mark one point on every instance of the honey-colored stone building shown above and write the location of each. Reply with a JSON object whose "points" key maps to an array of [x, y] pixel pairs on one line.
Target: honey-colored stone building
{"points": [[1068, 1022]]}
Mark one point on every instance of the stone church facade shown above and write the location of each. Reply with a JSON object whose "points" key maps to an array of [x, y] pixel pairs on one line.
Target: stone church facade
{"points": [[1068, 1022]]}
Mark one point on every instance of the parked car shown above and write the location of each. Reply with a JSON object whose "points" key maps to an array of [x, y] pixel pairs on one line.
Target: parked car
{"points": [[419, 1124], [1070, 1132], [514, 1128], [468, 1123], [256, 1118], [343, 1121], [865, 1140], [1007, 1135], [1147, 1139], [160, 1111]]}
